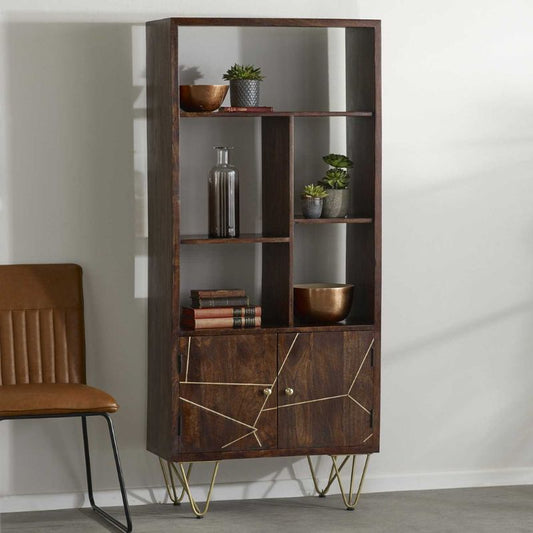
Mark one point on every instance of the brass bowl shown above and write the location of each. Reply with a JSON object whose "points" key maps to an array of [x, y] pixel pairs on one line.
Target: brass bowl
{"points": [[204, 98], [322, 302]]}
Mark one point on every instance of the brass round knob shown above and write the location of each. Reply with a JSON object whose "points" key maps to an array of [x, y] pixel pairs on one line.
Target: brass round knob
{"points": [[267, 392], [289, 391]]}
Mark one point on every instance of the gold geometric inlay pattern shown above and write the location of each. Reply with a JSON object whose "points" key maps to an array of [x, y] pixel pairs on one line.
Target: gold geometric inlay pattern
{"points": [[187, 364], [217, 413], [222, 383], [253, 427]]}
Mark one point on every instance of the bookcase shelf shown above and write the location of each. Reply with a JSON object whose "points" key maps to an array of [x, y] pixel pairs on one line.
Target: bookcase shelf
{"points": [[251, 114], [300, 328], [244, 238], [316, 360], [347, 220]]}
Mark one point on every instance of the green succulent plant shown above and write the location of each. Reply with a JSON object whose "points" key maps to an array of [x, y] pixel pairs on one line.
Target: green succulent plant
{"points": [[338, 161], [243, 72], [314, 191], [336, 177]]}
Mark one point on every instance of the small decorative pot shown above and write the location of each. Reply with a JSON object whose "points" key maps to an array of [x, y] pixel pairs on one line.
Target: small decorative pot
{"points": [[312, 207], [336, 203], [244, 93]]}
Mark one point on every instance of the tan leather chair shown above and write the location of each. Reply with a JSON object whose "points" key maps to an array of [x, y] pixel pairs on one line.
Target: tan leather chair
{"points": [[42, 356]]}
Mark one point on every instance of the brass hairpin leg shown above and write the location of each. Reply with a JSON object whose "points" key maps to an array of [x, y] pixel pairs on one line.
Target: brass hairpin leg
{"points": [[332, 475], [169, 482], [350, 499], [184, 477]]}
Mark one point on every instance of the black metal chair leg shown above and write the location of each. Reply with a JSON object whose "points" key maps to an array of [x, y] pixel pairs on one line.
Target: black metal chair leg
{"points": [[128, 527]]}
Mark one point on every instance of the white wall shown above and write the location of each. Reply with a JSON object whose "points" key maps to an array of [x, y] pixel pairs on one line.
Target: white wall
{"points": [[457, 403]]}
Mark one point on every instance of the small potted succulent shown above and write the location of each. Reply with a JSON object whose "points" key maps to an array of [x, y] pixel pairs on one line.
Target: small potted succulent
{"points": [[312, 200], [244, 83], [336, 183]]}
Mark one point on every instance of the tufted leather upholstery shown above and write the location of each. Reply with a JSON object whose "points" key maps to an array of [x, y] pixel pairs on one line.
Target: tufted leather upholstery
{"points": [[42, 342]]}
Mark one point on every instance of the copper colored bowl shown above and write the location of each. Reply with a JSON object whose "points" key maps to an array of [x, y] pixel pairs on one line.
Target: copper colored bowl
{"points": [[203, 98], [322, 302]]}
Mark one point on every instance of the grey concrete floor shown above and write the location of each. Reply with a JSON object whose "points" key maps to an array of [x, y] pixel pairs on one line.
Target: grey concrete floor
{"points": [[483, 510]]}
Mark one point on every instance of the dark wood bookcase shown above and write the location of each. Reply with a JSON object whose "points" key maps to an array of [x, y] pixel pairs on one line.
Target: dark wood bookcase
{"points": [[225, 394]]}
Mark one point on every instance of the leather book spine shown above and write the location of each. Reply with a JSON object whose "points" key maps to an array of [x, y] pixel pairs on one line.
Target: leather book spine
{"points": [[202, 303], [222, 322], [217, 293], [220, 312]]}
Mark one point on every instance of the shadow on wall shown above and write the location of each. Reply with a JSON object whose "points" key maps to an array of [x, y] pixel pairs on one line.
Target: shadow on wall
{"points": [[71, 170], [77, 171]]}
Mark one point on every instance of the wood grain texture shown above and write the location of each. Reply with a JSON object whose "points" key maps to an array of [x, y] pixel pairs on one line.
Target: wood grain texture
{"points": [[161, 250], [364, 448], [320, 369], [341, 326], [376, 378], [329, 423], [223, 378], [327, 354]]}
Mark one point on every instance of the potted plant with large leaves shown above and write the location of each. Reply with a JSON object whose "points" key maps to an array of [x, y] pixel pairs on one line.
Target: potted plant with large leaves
{"points": [[244, 83], [336, 183]]}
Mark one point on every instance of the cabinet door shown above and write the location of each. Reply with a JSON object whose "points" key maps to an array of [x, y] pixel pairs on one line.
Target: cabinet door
{"points": [[325, 389], [222, 393]]}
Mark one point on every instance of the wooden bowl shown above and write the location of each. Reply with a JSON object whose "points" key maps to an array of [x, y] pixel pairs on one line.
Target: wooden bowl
{"points": [[202, 98], [322, 302]]}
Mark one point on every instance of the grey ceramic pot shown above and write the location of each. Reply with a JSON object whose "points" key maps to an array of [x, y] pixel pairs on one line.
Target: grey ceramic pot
{"points": [[312, 207], [336, 203], [244, 93]]}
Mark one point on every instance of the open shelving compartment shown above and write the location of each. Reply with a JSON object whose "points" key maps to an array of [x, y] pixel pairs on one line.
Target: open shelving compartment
{"points": [[187, 418], [278, 229]]}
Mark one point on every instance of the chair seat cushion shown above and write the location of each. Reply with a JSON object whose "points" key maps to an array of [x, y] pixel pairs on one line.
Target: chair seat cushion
{"points": [[53, 398]]}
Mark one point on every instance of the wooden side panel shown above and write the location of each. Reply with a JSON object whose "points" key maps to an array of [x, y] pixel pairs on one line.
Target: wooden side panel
{"points": [[160, 244], [163, 216], [222, 383], [376, 378], [331, 377], [277, 141]]}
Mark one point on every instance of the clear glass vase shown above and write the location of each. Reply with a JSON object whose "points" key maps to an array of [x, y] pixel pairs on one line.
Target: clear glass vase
{"points": [[223, 191]]}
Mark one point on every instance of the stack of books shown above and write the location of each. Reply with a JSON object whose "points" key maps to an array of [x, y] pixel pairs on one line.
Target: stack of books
{"points": [[220, 308]]}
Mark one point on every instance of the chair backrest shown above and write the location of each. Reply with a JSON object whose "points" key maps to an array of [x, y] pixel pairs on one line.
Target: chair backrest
{"points": [[42, 337]]}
